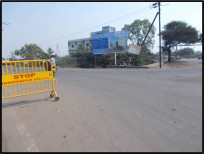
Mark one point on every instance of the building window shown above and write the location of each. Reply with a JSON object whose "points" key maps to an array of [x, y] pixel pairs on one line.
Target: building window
{"points": [[72, 46], [87, 44]]}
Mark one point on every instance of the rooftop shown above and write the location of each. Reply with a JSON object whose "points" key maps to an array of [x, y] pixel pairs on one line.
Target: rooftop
{"points": [[84, 39]]}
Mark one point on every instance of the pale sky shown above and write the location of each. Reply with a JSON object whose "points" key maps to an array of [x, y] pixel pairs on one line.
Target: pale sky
{"points": [[52, 24]]}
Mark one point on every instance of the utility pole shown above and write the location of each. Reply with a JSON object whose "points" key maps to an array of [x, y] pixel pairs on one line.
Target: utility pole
{"points": [[159, 35], [149, 30], [154, 6], [57, 50], [159, 11]]}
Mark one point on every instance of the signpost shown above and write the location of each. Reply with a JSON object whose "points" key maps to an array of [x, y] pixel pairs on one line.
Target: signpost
{"points": [[134, 49]]}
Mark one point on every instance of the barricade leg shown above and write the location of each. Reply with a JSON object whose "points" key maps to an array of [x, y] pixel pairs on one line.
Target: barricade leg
{"points": [[53, 92]]}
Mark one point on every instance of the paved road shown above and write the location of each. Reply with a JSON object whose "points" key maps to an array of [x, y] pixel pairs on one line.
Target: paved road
{"points": [[196, 60], [110, 110]]}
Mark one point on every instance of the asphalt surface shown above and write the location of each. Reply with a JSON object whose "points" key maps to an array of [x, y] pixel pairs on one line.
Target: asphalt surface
{"points": [[108, 110]]}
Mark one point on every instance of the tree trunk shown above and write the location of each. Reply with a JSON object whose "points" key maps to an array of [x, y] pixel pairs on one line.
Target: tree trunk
{"points": [[169, 55]]}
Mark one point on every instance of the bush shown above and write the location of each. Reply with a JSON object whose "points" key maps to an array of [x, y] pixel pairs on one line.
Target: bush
{"points": [[145, 57], [87, 59], [136, 60], [65, 61], [102, 60], [187, 53], [84, 59]]}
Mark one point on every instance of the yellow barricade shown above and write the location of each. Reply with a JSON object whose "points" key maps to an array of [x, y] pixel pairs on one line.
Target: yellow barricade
{"points": [[20, 78]]}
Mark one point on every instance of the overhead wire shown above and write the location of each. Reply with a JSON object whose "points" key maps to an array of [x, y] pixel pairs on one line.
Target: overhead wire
{"points": [[91, 28]]}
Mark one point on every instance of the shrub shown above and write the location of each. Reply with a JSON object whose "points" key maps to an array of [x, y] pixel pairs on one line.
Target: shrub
{"points": [[87, 59], [65, 61], [145, 57], [102, 60], [84, 59]]}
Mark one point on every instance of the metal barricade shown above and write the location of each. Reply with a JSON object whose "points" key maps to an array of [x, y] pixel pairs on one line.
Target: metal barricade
{"points": [[20, 78]]}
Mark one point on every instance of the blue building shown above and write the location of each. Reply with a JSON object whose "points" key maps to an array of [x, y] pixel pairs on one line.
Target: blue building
{"points": [[87, 42]]}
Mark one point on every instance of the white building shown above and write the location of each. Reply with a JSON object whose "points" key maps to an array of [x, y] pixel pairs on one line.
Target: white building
{"points": [[74, 44]]}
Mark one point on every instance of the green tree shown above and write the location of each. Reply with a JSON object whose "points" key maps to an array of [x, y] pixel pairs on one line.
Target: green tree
{"points": [[200, 37], [138, 30], [30, 52], [66, 61], [136, 34], [187, 53], [177, 32], [44, 55], [12, 57], [145, 56], [84, 59], [50, 51]]}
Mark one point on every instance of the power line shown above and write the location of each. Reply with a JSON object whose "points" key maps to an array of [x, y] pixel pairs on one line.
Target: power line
{"points": [[118, 18], [113, 20]]}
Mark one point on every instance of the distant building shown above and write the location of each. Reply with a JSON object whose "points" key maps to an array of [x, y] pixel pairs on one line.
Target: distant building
{"points": [[87, 42], [74, 44]]}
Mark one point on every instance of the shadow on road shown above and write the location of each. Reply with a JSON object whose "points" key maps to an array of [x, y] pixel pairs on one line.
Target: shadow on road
{"points": [[12, 104]]}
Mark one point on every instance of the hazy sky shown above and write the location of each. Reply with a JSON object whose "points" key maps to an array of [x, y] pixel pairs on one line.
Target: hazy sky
{"points": [[50, 23]]}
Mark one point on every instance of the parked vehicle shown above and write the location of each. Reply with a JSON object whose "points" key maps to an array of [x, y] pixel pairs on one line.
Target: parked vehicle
{"points": [[173, 58]]}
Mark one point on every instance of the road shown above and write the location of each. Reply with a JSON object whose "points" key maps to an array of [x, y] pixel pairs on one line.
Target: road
{"points": [[108, 110]]}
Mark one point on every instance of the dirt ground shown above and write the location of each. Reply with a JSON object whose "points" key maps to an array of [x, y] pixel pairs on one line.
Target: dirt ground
{"points": [[173, 64]]}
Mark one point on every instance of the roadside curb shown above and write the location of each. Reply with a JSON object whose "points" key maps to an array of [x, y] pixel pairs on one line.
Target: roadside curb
{"points": [[119, 66]]}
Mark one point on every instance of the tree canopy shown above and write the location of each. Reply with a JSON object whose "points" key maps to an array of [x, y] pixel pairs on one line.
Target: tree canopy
{"points": [[187, 53], [136, 34], [30, 52], [50, 51], [137, 31], [200, 38], [177, 32]]}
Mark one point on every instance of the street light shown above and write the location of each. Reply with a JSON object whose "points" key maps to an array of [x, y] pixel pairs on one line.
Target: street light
{"points": [[154, 5]]}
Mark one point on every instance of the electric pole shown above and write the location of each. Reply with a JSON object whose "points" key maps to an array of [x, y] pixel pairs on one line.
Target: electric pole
{"points": [[159, 12], [159, 35], [57, 50]]}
